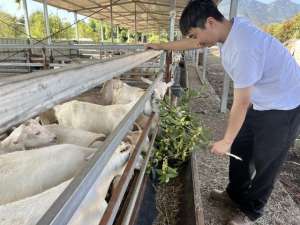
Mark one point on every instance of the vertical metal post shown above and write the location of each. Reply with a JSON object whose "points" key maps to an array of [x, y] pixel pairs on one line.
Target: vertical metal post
{"points": [[26, 18], [159, 33], [118, 38], [111, 22], [101, 31], [147, 28], [226, 85], [46, 18], [135, 24], [204, 63], [47, 22], [28, 33], [179, 35], [172, 19], [128, 35], [197, 59], [76, 27], [101, 38], [169, 65], [226, 82], [143, 37]]}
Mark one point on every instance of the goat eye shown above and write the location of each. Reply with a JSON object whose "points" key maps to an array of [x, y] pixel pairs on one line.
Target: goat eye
{"points": [[15, 142], [37, 133]]}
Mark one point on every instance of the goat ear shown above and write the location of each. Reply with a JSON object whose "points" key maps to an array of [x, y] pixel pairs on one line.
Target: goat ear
{"points": [[147, 81], [169, 84]]}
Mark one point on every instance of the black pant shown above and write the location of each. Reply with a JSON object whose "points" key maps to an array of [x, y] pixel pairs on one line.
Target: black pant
{"points": [[262, 143]]}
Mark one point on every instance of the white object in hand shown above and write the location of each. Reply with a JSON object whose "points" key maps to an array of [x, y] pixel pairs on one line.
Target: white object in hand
{"points": [[234, 156]]}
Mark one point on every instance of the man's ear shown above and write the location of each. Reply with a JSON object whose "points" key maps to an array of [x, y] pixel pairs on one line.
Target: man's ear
{"points": [[210, 22]]}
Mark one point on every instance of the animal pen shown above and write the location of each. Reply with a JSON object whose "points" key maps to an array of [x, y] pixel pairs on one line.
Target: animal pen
{"points": [[37, 75]]}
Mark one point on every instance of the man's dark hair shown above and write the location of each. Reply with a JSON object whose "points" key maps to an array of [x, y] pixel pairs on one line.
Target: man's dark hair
{"points": [[196, 13]]}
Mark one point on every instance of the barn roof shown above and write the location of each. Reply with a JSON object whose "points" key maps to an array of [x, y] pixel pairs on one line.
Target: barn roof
{"points": [[151, 14]]}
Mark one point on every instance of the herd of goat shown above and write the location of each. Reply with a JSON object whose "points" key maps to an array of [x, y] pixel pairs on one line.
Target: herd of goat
{"points": [[39, 158]]}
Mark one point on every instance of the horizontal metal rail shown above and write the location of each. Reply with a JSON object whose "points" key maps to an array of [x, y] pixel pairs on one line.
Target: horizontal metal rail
{"points": [[25, 96], [65, 206], [73, 46], [32, 64]]}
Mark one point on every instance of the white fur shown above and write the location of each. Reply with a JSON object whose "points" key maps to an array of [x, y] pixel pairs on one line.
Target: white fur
{"points": [[117, 92], [75, 136], [91, 117], [90, 211], [26, 173], [28, 211], [27, 136]]}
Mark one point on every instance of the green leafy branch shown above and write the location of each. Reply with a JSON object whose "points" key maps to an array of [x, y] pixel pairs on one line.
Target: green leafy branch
{"points": [[179, 133]]}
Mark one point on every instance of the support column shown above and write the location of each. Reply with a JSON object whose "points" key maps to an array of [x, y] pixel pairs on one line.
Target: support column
{"points": [[28, 33], [46, 18], [172, 19], [76, 27], [171, 37], [204, 63], [128, 35], [118, 38], [111, 22], [101, 38], [135, 24], [26, 18], [143, 36], [101, 31], [48, 34], [159, 33], [147, 28], [226, 82]]}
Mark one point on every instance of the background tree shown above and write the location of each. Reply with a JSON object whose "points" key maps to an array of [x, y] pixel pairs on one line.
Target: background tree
{"points": [[37, 25], [285, 31], [10, 26]]}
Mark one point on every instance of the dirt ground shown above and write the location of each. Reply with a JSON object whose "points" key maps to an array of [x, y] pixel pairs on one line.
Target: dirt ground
{"points": [[168, 202]]}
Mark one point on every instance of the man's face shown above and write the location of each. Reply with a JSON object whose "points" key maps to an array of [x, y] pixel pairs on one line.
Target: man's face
{"points": [[205, 37]]}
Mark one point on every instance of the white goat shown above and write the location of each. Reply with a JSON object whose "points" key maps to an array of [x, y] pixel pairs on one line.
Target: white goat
{"points": [[28, 211], [27, 136], [74, 136], [26, 173], [91, 117]]}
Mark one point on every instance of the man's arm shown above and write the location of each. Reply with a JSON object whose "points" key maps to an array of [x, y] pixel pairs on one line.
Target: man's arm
{"points": [[183, 44], [236, 119]]}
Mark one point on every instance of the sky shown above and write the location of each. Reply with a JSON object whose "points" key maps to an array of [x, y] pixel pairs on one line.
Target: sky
{"points": [[12, 8]]}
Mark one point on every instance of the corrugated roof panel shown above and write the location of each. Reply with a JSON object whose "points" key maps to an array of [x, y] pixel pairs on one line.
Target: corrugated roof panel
{"points": [[124, 11]]}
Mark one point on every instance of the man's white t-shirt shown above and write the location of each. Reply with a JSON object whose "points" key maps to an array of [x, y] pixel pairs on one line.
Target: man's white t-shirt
{"points": [[252, 57]]}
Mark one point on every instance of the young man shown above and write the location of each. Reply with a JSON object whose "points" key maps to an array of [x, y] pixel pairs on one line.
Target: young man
{"points": [[265, 115]]}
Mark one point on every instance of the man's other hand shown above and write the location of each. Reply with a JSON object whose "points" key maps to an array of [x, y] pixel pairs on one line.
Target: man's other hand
{"points": [[221, 147]]}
